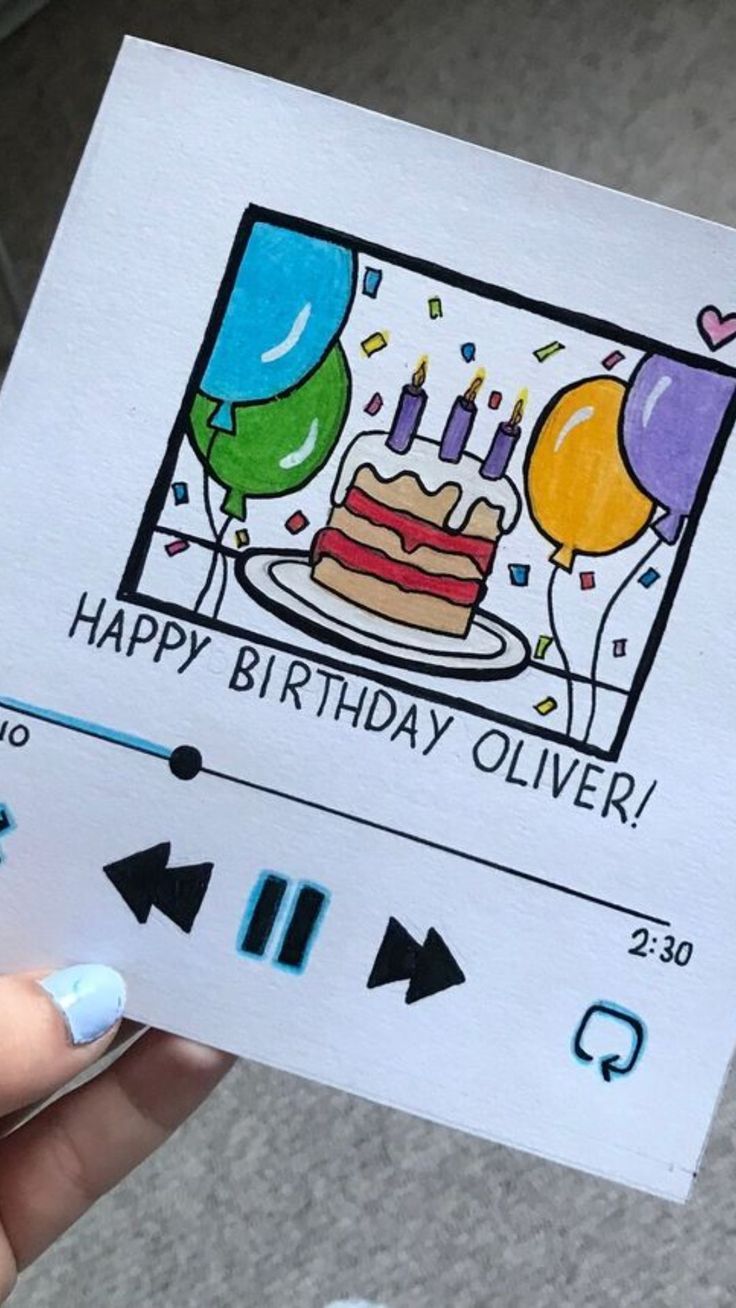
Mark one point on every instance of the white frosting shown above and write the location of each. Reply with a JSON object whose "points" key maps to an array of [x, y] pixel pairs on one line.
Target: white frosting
{"points": [[422, 461]]}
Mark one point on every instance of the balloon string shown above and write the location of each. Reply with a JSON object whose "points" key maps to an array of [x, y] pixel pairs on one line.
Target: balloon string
{"points": [[565, 661], [223, 583], [216, 536], [601, 628], [211, 573]]}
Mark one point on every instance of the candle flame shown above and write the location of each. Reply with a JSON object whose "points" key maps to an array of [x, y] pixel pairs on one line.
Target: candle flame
{"points": [[522, 400], [475, 386], [419, 376]]}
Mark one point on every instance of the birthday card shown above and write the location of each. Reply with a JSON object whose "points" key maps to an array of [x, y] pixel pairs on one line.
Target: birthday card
{"points": [[366, 687]]}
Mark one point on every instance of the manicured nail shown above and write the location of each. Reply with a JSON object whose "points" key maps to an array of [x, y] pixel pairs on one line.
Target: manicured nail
{"points": [[91, 998]]}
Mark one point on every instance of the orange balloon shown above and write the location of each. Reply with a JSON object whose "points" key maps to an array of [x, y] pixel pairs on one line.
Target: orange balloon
{"points": [[581, 494]]}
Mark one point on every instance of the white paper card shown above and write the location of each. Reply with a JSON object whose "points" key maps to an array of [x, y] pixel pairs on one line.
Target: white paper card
{"points": [[367, 685]]}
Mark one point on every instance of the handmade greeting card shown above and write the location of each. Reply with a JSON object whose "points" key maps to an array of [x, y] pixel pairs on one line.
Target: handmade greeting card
{"points": [[367, 694]]}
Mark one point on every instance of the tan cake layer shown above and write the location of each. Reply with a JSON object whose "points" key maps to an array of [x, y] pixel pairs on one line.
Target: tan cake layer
{"points": [[414, 610], [389, 542], [484, 520], [406, 494]]}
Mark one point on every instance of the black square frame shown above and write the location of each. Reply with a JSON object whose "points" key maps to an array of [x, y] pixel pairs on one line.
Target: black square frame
{"points": [[129, 590]]}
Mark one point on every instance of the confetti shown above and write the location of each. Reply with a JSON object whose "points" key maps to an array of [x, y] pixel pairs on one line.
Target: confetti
{"points": [[180, 491], [176, 547], [296, 523], [435, 307], [468, 351], [519, 574], [546, 706], [372, 278], [374, 405], [372, 344], [494, 400], [546, 351], [587, 581], [649, 577], [612, 359], [242, 537], [542, 645], [619, 648]]}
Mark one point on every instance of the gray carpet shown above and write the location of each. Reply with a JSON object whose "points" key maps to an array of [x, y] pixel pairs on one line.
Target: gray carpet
{"points": [[279, 1193]]}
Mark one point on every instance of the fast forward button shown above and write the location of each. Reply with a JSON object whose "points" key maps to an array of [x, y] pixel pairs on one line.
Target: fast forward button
{"points": [[429, 967]]}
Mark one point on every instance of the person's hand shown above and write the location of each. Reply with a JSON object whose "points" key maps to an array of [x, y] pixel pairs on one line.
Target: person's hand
{"points": [[53, 1167]]}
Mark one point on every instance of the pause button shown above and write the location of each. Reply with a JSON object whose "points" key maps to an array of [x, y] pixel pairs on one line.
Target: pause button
{"points": [[282, 917]]}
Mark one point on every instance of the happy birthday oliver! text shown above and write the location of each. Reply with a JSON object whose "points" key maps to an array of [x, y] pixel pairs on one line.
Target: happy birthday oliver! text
{"points": [[304, 686]]}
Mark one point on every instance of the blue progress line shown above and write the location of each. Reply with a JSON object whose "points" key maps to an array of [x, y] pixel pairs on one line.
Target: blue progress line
{"points": [[87, 728]]}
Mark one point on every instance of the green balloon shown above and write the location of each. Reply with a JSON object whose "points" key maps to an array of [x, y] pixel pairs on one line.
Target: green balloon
{"points": [[277, 446]]}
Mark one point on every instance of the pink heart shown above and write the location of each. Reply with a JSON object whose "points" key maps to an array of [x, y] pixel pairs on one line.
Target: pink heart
{"points": [[716, 328]]}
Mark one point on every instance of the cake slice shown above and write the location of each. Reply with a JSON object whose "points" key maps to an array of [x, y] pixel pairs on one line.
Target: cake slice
{"points": [[410, 537]]}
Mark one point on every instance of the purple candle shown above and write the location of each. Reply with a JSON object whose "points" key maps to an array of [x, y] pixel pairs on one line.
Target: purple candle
{"points": [[409, 411], [460, 422], [502, 446]]}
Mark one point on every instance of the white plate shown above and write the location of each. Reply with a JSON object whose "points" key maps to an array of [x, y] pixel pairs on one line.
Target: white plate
{"points": [[281, 581]]}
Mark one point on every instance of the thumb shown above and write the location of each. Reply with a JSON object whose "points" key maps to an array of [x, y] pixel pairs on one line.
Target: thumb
{"points": [[53, 1027]]}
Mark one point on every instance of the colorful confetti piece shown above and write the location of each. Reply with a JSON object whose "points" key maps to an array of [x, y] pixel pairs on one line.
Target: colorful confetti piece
{"points": [[587, 581], [434, 305], [468, 351], [180, 492], [374, 405], [296, 523], [242, 537], [372, 278], [546, 706], [519, 574], [649, 577], [176, 547], [546, 351], [494, 400], [542, 645], [619, 648], [372, 344], [612, 359]]}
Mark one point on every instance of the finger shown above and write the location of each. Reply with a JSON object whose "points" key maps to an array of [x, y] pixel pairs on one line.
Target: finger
{"points": [[56, 1166], [53, 1027], [126, 1032]]}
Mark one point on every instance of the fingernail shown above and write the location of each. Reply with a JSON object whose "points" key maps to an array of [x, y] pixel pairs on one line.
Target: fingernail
{"points": [[91, 998]]}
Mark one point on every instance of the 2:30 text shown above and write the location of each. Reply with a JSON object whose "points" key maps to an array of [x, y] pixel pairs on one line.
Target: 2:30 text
{"points": [[665, 948]]}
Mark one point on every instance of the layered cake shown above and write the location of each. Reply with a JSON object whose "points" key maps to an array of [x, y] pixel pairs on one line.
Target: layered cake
{"points": [[412, 536]]}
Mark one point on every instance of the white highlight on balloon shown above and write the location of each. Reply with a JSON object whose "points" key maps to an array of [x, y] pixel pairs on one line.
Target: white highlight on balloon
{"points": [[295, 457], [291, 338], [653, 398], [580, 415]]}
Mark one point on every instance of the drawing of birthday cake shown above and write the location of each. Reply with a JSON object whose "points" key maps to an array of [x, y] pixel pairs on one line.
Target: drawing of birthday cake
{"points": [[414, 528]]}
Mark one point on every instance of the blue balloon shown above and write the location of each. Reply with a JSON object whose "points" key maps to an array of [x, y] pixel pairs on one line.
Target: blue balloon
{"points": [[286, 307]]}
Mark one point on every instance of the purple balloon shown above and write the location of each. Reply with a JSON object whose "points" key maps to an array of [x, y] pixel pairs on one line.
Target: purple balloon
{"points": [[671, 418]]}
